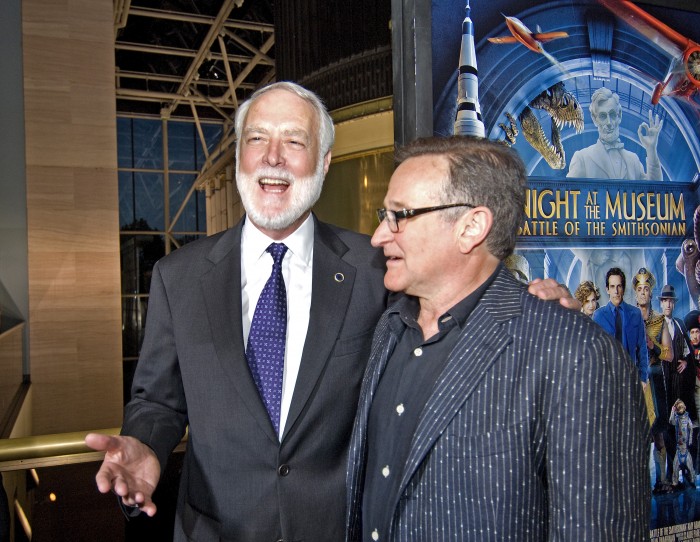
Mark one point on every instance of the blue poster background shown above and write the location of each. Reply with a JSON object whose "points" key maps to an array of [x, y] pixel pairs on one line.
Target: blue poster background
{"points": [[578, 226]]}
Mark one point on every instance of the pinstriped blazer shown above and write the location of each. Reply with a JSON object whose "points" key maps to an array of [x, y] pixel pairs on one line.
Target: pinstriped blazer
{"points": [[536, 430]]}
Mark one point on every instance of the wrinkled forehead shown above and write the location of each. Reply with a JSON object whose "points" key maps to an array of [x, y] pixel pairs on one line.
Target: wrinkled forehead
{"points": [[284, 110]]}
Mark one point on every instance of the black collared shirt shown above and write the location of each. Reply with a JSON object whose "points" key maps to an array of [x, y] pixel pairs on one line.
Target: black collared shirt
{"points": [[402, 393]]}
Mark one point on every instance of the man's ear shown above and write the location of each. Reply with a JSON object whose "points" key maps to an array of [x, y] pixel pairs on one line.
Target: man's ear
{"points": [[326, 162], [473, 227]]}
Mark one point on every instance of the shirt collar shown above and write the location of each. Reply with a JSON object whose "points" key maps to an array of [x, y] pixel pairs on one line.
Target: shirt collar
{"points": [[406, 310], [300, 243]]}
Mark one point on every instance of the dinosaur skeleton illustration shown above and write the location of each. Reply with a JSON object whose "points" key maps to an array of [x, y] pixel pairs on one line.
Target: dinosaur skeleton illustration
{"points": [[563, 109]]}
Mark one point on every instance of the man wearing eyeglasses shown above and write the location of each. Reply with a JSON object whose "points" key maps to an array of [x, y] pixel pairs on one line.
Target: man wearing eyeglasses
{"points": [[486, 413]]}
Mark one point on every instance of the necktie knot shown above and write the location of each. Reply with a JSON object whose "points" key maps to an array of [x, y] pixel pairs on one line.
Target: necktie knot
{"points": [[277, 250]]}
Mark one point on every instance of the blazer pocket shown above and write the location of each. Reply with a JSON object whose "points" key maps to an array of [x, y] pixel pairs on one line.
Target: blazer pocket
{"points": [[506, 439], [354, 344], [198, 527]]}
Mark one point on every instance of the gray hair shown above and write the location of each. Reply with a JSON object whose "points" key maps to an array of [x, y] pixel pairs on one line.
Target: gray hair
{"points": [[601, 95], [325, 122], [482, 173]]}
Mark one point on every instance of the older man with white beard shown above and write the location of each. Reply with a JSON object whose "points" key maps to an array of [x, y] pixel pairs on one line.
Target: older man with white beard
{"points": [[265, 372], [268, 430]]}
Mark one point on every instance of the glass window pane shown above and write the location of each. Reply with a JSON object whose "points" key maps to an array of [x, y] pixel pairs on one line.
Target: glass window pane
{"points": [[149, 195], [133, 324], [212, 135], [201, 211], [124, 143], [180, 185], [126, 199], [184, 239], [148, 144], [139, 253], [182, 140]]}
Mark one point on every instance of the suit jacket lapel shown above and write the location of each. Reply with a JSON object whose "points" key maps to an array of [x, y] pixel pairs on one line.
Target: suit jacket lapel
{"points": [[333, 278], [221, 287], [481, 343], [382, 347]]}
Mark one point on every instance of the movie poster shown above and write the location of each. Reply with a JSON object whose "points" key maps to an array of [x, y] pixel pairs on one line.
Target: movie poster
{"points": [[601, 99]]}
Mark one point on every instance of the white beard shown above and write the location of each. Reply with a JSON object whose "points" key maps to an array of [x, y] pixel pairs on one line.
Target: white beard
{"points": [[305, 193]]}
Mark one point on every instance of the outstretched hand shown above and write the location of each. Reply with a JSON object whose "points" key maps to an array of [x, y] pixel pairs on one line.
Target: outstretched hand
{"points": [[551, 290], [648, 133], [130, 469]]}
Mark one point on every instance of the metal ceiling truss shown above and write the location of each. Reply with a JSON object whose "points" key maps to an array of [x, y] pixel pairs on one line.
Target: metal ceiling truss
{"points": [[173, 63]]}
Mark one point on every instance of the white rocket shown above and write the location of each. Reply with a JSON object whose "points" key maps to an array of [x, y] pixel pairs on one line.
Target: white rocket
{"points": [[468, 119]]}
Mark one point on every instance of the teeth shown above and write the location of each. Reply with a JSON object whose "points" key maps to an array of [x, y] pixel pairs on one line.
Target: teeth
{"points": [[274, 181]]}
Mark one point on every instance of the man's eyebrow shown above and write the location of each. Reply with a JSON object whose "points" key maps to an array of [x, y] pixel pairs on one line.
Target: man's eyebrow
{"points": [[296, 132], [289, 132], [254, 129], [396, 204]]}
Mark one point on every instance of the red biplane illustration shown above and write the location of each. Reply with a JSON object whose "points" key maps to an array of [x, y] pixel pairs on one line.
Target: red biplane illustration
{"points": [[683, 78]]}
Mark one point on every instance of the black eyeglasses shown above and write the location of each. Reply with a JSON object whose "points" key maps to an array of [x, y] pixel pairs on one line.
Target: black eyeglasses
{"points": [[392, 217]]}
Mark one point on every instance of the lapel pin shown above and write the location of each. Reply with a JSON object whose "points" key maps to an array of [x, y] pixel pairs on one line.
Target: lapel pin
{"points": [[339, 277]]}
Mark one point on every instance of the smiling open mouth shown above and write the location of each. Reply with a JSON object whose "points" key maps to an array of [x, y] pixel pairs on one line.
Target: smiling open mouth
{"points": [[273, 185]]}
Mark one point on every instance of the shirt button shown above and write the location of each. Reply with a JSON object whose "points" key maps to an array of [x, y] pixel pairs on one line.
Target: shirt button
{"points": [[283, 470], [400, 409], [386, 471], [418, 352], [375, 535]]}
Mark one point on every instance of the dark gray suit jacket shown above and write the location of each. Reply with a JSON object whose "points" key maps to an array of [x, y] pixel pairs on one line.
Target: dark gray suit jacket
{"points": [[239, 482], [536, 430]]}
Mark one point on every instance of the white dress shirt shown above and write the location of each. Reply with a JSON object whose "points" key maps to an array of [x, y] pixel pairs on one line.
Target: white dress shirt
{"points": [[297, 265]]}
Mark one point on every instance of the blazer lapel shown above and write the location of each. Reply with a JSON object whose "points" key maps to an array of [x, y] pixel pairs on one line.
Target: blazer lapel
{"points": [[333, 278], [481, 343], [221, 287], [382, 347]]}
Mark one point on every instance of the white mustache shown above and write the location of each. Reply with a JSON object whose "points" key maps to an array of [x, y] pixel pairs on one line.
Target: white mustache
{"points": [[273, 173]]}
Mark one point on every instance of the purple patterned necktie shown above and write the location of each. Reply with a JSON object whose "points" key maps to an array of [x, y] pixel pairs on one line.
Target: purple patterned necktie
{"points": [[268, 332]]}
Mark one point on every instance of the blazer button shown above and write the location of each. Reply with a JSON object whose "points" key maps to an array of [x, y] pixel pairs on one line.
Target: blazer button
{"points": [[283, 470]]}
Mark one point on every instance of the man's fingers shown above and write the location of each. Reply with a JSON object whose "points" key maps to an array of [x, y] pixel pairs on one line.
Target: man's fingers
{"points": [[139, 501], [148, 508], [121, 488], [550, 290], [98, 441], [570, 303], [104, 481]]}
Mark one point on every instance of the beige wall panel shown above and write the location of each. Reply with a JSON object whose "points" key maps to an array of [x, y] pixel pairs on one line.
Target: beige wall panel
{"points": [[73, 218], [364, 134]]}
